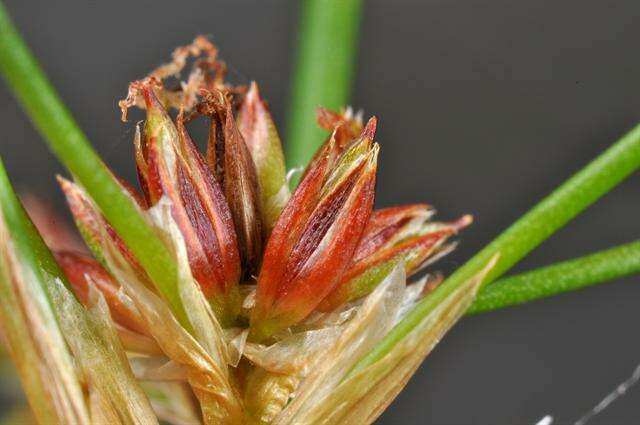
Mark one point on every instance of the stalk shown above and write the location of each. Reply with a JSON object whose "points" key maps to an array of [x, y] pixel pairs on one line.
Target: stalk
{"points": [[600, 267], [544, 219], [326, 55], [64, 137]]}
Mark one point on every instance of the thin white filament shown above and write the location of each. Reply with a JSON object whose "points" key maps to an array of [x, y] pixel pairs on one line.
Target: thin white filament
{"points": [[611, 397]]}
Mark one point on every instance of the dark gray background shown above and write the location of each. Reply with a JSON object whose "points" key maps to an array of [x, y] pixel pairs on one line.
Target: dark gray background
{"points": [[484, 107]]}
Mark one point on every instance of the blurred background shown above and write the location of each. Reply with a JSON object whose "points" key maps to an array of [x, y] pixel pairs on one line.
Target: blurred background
{"points": [[484, 107]]}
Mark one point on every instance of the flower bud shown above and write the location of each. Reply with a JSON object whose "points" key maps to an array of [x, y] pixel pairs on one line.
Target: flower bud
{"points": [[316, 236], [169, 165], [261, 138], [393, 235], [92, 225], [389, 225]]}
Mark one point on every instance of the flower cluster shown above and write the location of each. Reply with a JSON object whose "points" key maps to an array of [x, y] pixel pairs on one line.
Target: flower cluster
{"points": [[286, 276]]}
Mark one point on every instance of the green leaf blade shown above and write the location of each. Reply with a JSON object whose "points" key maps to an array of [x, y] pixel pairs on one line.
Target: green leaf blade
{"points": [[562, 277], [68, 142], [529, 231], [324, 71]]}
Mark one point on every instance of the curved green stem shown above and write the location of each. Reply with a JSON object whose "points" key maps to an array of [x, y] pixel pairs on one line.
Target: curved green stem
{"points": [[68, 142], [562, 277], [552, 213], [326, 54]]}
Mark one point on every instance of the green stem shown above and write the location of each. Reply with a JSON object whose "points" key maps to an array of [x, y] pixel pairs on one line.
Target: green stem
{"points": [[326, 53], [562, 277], [68, 142], [552, 213]]}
